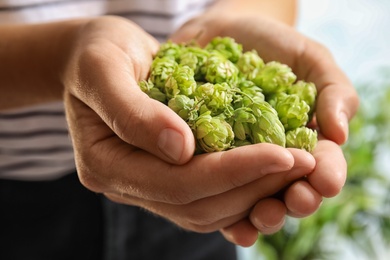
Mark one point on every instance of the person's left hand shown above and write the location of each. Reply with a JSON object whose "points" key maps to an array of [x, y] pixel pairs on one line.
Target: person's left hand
{"points": [[337, 102]]}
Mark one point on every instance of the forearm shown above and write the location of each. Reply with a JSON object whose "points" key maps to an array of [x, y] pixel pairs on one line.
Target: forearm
{"points": [[32, 58], [282, 10]]}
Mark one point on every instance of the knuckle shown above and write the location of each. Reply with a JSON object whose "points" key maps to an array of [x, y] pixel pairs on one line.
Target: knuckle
{"points": [[88, 170], [127, 126], [201, 227], [201, 220], [88, 179]]}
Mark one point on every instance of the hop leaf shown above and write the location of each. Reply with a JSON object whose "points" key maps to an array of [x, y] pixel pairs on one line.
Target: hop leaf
{"points": [[227, 47], [181, 81], [302, 138], [292, 111], [273, 77], [213, 134]]}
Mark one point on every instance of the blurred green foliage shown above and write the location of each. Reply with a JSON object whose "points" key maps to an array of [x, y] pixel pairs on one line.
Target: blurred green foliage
{"points": [[358, 219]]}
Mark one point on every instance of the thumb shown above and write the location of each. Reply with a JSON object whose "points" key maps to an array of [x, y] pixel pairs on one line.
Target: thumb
{"points": [[152, 126], [113, 93], [187, 32], [195, 29]]}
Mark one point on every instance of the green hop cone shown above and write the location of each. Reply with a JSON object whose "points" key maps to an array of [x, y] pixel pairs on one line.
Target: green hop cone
{"points": [[306, 91], [195, 58], [181, 81], [227, 46], [242, 118], [213, 134], [268, 128], [146, 85], [249, 62], [216, 97], [302, 138], [153, 92], [273, 77], [231, 98], [170, 50], [292, 111], [218, 69], [184, 107], [161, 70], [248, 93]]}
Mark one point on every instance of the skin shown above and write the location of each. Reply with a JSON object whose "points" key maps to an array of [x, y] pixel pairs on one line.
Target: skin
{"points": [[137, 151]]}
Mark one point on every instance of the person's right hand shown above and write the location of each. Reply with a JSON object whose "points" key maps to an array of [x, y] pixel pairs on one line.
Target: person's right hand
{"points": [[137, 151]]}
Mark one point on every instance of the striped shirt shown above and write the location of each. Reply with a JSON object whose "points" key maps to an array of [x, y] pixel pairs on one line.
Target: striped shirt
{"points": [[34, 141]]}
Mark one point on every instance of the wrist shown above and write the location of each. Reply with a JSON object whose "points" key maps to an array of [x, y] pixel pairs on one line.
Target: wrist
{"points": [[33, 58]]}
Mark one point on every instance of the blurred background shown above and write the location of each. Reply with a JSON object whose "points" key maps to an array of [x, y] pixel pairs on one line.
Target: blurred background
{"points": [[355, 224]]}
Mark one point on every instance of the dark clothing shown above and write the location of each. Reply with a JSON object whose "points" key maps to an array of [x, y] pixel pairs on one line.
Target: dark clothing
{"points": [[50, 220], [136, 234], [61, 219]]}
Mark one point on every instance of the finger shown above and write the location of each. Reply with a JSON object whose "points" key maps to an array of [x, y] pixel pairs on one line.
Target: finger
{"points": [[301, 199], [268, 215], [336, 105], [217, 180], [204, 176], [195, 30], [187, 32], [330, 173], [337, 99], [241, 233], [213, 212], [304, 163]]}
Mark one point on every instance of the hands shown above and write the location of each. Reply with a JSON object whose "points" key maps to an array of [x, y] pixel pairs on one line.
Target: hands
{"points": [[337, 103], [137, 151]]}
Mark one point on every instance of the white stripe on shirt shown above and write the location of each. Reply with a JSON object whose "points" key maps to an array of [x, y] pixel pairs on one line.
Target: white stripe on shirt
{"points": [[34, 143]]}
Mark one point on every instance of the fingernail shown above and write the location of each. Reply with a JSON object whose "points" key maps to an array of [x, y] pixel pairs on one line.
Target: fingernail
{"points": [[297, 173], [171, 143], [275, 168]]}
